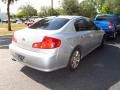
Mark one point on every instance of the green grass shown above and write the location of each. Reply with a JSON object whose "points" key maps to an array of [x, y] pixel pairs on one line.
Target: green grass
{"points": [[4, 30]]}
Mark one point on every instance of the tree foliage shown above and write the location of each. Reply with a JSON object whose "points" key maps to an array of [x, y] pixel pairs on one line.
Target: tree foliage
{"points": [[27, 11], [115, 6], [87, 8], [70, 7], [110, 6], [47, 11], [20, 14], [106, 9]]}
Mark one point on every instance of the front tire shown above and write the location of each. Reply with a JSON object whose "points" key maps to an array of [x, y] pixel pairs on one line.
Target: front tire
{"points": [[74, 59], [114, 35]]}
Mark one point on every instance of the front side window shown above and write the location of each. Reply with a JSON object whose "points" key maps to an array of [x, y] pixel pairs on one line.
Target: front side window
{"points": [[50, 24], [80, 25], [91, 25], [84, 25]]}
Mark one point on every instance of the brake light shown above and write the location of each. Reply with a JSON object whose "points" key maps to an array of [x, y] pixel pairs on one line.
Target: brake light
{"points": [[47, 43], [110, 26], [14, 39]]}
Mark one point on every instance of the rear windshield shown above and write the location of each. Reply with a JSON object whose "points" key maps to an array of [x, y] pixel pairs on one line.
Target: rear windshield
{"points": [[104, 18], [50, 24]]}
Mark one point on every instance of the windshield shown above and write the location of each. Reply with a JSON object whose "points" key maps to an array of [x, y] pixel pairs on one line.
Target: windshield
{"points": [[50, 24], [104, 18]]}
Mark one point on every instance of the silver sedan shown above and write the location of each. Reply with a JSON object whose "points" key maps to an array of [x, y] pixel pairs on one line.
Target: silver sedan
{"points": [[51, 44]]}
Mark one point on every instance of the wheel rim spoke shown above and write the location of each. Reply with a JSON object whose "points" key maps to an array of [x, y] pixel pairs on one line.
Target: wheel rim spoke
{"points": [[75, 59]]}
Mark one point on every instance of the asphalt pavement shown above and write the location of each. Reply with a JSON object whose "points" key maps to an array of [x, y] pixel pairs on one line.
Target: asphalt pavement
{"points": [[100, 70]]}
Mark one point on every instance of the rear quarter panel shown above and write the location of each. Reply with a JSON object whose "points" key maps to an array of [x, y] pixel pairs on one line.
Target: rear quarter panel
{"points": [[70, 39]]}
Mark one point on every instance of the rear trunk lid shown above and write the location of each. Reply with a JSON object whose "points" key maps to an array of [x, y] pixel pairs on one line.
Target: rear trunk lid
{"points": [[25, 38]]}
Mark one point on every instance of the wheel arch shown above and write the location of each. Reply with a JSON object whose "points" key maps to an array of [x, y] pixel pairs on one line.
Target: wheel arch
{"points": [[76, 47]]}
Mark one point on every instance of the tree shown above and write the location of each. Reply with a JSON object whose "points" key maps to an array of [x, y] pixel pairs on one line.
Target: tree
{"points": [[109, 6], [8, 11], [52, 12], [20, 14], [43, 12], [100, 4], [13, 16], [28, 11], [106, 9], [70, 7], [115, 6], [47, 11], [87, 8]]}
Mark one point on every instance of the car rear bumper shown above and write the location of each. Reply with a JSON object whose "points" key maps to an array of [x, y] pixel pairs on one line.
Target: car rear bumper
{"points": [[40, 61]]}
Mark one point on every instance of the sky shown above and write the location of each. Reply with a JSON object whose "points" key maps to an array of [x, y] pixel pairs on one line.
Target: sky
{"points": [[35, 3]]}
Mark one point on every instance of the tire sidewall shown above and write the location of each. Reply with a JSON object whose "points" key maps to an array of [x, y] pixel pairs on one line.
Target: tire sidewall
{"points": [[103, 41], [114, 35], [69, 63]]}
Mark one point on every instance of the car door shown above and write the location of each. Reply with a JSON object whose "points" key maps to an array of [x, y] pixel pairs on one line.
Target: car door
{"points": [[95, 33], [83, 35]]}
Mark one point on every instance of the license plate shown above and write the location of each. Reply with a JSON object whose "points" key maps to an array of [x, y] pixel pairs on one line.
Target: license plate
{"points": [[20, 57]]}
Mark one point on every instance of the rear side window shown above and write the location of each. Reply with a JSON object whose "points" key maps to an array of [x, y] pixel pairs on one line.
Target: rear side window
{"points": [[84, 25], [48, 24], [104, 18]]}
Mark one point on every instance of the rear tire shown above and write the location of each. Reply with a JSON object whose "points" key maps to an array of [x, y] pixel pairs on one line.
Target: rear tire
{"points": [[103, 41], [74, 60]]}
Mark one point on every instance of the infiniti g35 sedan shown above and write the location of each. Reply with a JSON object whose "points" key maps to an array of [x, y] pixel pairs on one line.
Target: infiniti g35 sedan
{"points": [[51, 44]]}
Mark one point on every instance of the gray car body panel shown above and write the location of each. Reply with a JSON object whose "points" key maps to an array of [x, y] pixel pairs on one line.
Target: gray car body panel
{"points": [[52, 59]]}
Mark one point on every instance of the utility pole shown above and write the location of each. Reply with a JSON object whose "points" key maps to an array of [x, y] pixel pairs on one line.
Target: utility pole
{"points": [[52, 7]]}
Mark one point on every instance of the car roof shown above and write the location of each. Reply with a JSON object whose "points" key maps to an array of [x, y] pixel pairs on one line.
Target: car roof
{"points": [[71, 17]]}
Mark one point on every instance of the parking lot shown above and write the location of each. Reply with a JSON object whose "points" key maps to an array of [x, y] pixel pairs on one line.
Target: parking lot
{"points": [[100, 70]]}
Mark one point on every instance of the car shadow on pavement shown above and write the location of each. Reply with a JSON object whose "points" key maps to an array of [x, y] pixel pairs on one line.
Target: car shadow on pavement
{"points": [[100, 70], [5, 41], [115, 41]]}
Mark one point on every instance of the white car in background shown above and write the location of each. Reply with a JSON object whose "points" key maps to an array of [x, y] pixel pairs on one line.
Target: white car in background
{"points": [[19, 22], [51, 44]]}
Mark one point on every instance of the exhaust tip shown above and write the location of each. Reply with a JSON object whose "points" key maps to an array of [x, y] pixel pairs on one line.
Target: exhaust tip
{"points": [[13, 59]]}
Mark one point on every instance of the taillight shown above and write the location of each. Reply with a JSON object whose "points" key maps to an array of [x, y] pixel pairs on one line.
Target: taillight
{"points": [[14, 39], [110, 26], [47, 43]]}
